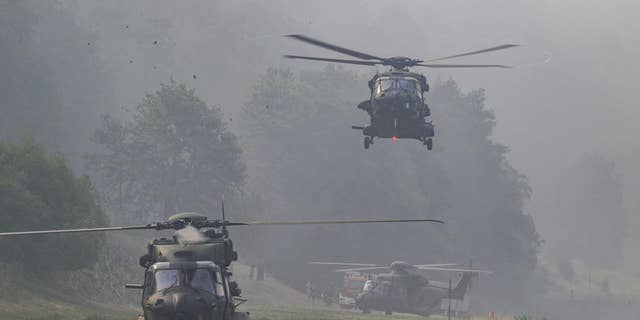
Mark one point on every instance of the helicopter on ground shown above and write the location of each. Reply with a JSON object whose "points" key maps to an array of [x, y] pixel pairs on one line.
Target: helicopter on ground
{"points": [[187, 277], [396, 106], [405, 289]]}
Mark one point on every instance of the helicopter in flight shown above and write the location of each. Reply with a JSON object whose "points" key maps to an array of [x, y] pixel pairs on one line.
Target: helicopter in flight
{"points": [[396, 106], [187, 278], [405, 288]]}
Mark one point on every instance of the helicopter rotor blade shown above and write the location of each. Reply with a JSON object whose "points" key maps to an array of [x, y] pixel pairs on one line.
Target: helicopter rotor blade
{"points": [[362, 269], [380, 265], [434, 265], [231, 224], [364, 63], [430, 65], [38, 232], [496, 48], [326, 45], [428, 267], [350, 221], [455, 270], [209, 224], [345, 264]]}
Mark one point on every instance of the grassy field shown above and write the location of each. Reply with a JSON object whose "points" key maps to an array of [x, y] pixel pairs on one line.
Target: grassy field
{"points": [[293, 313], [257, 313], [33, 307], [268, 300]]}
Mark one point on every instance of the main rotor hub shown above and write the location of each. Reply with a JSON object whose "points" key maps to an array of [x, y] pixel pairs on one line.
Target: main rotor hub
{"points": [[401, 266], [401, 63]]}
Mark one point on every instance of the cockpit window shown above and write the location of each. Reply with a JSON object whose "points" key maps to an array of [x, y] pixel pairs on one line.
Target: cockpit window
{"points": [[200, 279], [165, 279], [408, 84], [384, 84]]}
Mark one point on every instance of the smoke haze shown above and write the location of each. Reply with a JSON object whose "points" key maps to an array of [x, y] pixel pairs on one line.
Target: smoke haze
{"points": [[567, 114]]}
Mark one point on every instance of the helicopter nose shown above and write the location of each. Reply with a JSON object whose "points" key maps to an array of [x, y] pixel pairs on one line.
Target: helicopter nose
{"points": [[179, 301], [187, 302]]}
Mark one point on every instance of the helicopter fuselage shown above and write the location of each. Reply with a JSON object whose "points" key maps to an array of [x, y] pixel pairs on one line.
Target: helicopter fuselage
{"points": [[187, 276], [408, 292], [396, 108], [193, 290]]}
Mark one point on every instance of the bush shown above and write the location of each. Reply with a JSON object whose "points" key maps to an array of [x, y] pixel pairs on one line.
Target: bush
{"points": [[39, 191]]}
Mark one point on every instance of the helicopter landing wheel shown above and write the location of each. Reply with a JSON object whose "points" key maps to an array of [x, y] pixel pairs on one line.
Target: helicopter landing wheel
{"points": [[429, 143], [368, 141]]}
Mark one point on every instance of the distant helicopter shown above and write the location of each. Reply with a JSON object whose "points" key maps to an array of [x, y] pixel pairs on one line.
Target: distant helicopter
{"points": [[396, 107], [405, 289], [190, 279]]}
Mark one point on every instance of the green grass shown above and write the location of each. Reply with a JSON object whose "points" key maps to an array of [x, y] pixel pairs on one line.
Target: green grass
{"points": [[257, 313], [61, 315], [320, 313], [31, 308]]}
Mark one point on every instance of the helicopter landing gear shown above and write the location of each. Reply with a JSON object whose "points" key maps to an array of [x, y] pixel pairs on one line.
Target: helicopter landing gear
{"points": [[428, 142], [368, 141]]}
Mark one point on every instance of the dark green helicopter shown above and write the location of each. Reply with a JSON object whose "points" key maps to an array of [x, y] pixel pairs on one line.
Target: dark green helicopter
{"points": [[405, 288], [187, 276], [396, 107]]}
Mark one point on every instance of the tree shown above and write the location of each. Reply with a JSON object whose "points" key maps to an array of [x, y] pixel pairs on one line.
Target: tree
{"points": [[306, 163], [39, 191], [175, 154]]}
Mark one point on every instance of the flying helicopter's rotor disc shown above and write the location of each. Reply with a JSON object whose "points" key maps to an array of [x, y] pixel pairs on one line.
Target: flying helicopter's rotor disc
{"points": [[333, 47], [432, 65], [395, 62], [496, 48], [359, 62]]}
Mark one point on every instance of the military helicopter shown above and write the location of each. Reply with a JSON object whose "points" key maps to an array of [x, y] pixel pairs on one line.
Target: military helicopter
{"points": [[396, 106], [187, 278], [406, 289]]}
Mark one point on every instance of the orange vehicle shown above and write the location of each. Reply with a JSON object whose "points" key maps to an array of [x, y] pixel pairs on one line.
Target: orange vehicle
{"points": [[352, 285]]}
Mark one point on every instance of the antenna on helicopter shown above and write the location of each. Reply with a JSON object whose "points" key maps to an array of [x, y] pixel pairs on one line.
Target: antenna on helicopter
{"points": [[224, 220]]}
